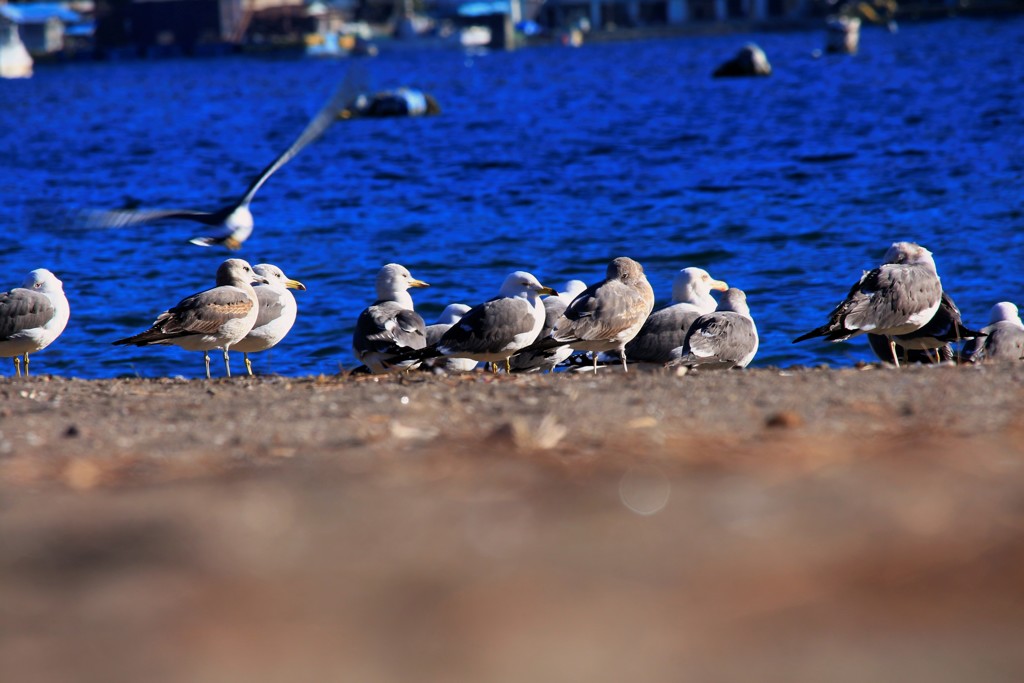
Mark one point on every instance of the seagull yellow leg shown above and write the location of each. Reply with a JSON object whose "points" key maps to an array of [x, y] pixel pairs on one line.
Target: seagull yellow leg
{"points": [[508, 365], [17, 365], [206, 358], [248, 365], [892, 347], [622, 355], [26, 365], [227, 364]]}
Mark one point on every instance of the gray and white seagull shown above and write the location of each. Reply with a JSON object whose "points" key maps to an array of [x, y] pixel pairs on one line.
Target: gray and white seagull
{"points": [[216, 318], [896, 298], [608, 314], [389, 327], [32, 316], [725, 338], [277, 312]]}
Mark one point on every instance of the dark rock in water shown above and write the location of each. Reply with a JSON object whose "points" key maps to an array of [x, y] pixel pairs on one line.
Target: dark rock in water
{"points": [[842, 35], [749, 61]]}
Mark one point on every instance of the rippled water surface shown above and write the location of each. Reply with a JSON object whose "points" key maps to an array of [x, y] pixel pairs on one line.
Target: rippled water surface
{"points": [[547, 159]]}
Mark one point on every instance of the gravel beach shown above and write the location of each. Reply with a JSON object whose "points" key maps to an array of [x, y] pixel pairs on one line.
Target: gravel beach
{"points": [[772, 525]]}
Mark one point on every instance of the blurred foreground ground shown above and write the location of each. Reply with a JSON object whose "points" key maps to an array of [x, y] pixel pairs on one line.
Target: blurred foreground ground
{"points": [[802, 525]]}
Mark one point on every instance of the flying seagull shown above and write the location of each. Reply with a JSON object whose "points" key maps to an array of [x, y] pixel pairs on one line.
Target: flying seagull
{"points": [[725, 338], [32, 316], [606, 315], [390, 326], [216, 318], [277, 311], [896, 298], [232, 224]]}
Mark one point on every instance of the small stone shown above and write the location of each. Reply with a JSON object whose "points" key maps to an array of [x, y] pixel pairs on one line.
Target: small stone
{"points": [[72, 431], [787, 419]]}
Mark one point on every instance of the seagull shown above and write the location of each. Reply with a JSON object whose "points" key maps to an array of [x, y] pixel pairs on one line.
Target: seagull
{"points": [[666, 328], [390, 326], [726, 338], [1005, 336], [607, 315], [233, 223], [32, 316], [495, 330], [944, 328], [532, 360], [277, 310], [897, 298], [216, 318], [449, 316]]}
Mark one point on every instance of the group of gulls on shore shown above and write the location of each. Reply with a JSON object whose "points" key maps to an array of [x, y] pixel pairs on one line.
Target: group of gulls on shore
{"points": [[528, 327]]}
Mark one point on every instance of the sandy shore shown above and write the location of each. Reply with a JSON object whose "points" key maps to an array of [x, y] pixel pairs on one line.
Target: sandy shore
{"points": [[797, 525]]}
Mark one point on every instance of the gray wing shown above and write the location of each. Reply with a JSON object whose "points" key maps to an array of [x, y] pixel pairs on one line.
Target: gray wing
{"points": [[202, 313], [724, 339], [23, 309], [488, 327], [664, 331], [272, 303], [125, 218], [892, 296], [882, 299], [602, 311], [1005, 342], [435, 332], [533, 358], [387, 327]]}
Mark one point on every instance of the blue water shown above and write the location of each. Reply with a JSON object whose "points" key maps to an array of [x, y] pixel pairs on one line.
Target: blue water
{"points": [[547, 159]]}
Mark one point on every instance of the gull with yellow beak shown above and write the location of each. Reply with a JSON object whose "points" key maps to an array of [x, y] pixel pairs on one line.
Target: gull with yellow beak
{"points": [[390, 327], [276, 315]]}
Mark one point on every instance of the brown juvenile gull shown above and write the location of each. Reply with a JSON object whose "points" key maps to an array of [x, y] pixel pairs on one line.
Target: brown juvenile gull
{"points": [[492, 332], [1005, 336], [390, 326], [277, 311], [233, 223], [216, 318], [536, 360], [32, 316], [897, 298], [665, 329], [945, 327], [725, 338], [607, 315], [449, 316]]}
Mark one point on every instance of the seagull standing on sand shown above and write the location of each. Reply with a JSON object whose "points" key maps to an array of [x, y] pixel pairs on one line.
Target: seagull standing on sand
{"points": [[1005, 336], [216, 318], [897, 298], [390, 326], [944, 328], [277, 311], [726, 338], [665, 329], [607, 315], [234, 223], [494, 331], [449, 316], [32, 316], [533, 360]]}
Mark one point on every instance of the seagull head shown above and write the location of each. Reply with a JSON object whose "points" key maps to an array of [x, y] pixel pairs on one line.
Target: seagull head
{"points": [[625, 269], [694, 285], [734, 300], [523, 284], [452, 314], [1004, 311], [236, 271], [42, 280], [394, 281], [909, 254], [276, 277]]}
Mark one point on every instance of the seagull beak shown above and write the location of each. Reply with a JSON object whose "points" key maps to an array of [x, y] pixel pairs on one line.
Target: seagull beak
{"points": [[294, 284], [548, 291], [719, 285], [417, 283]]}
